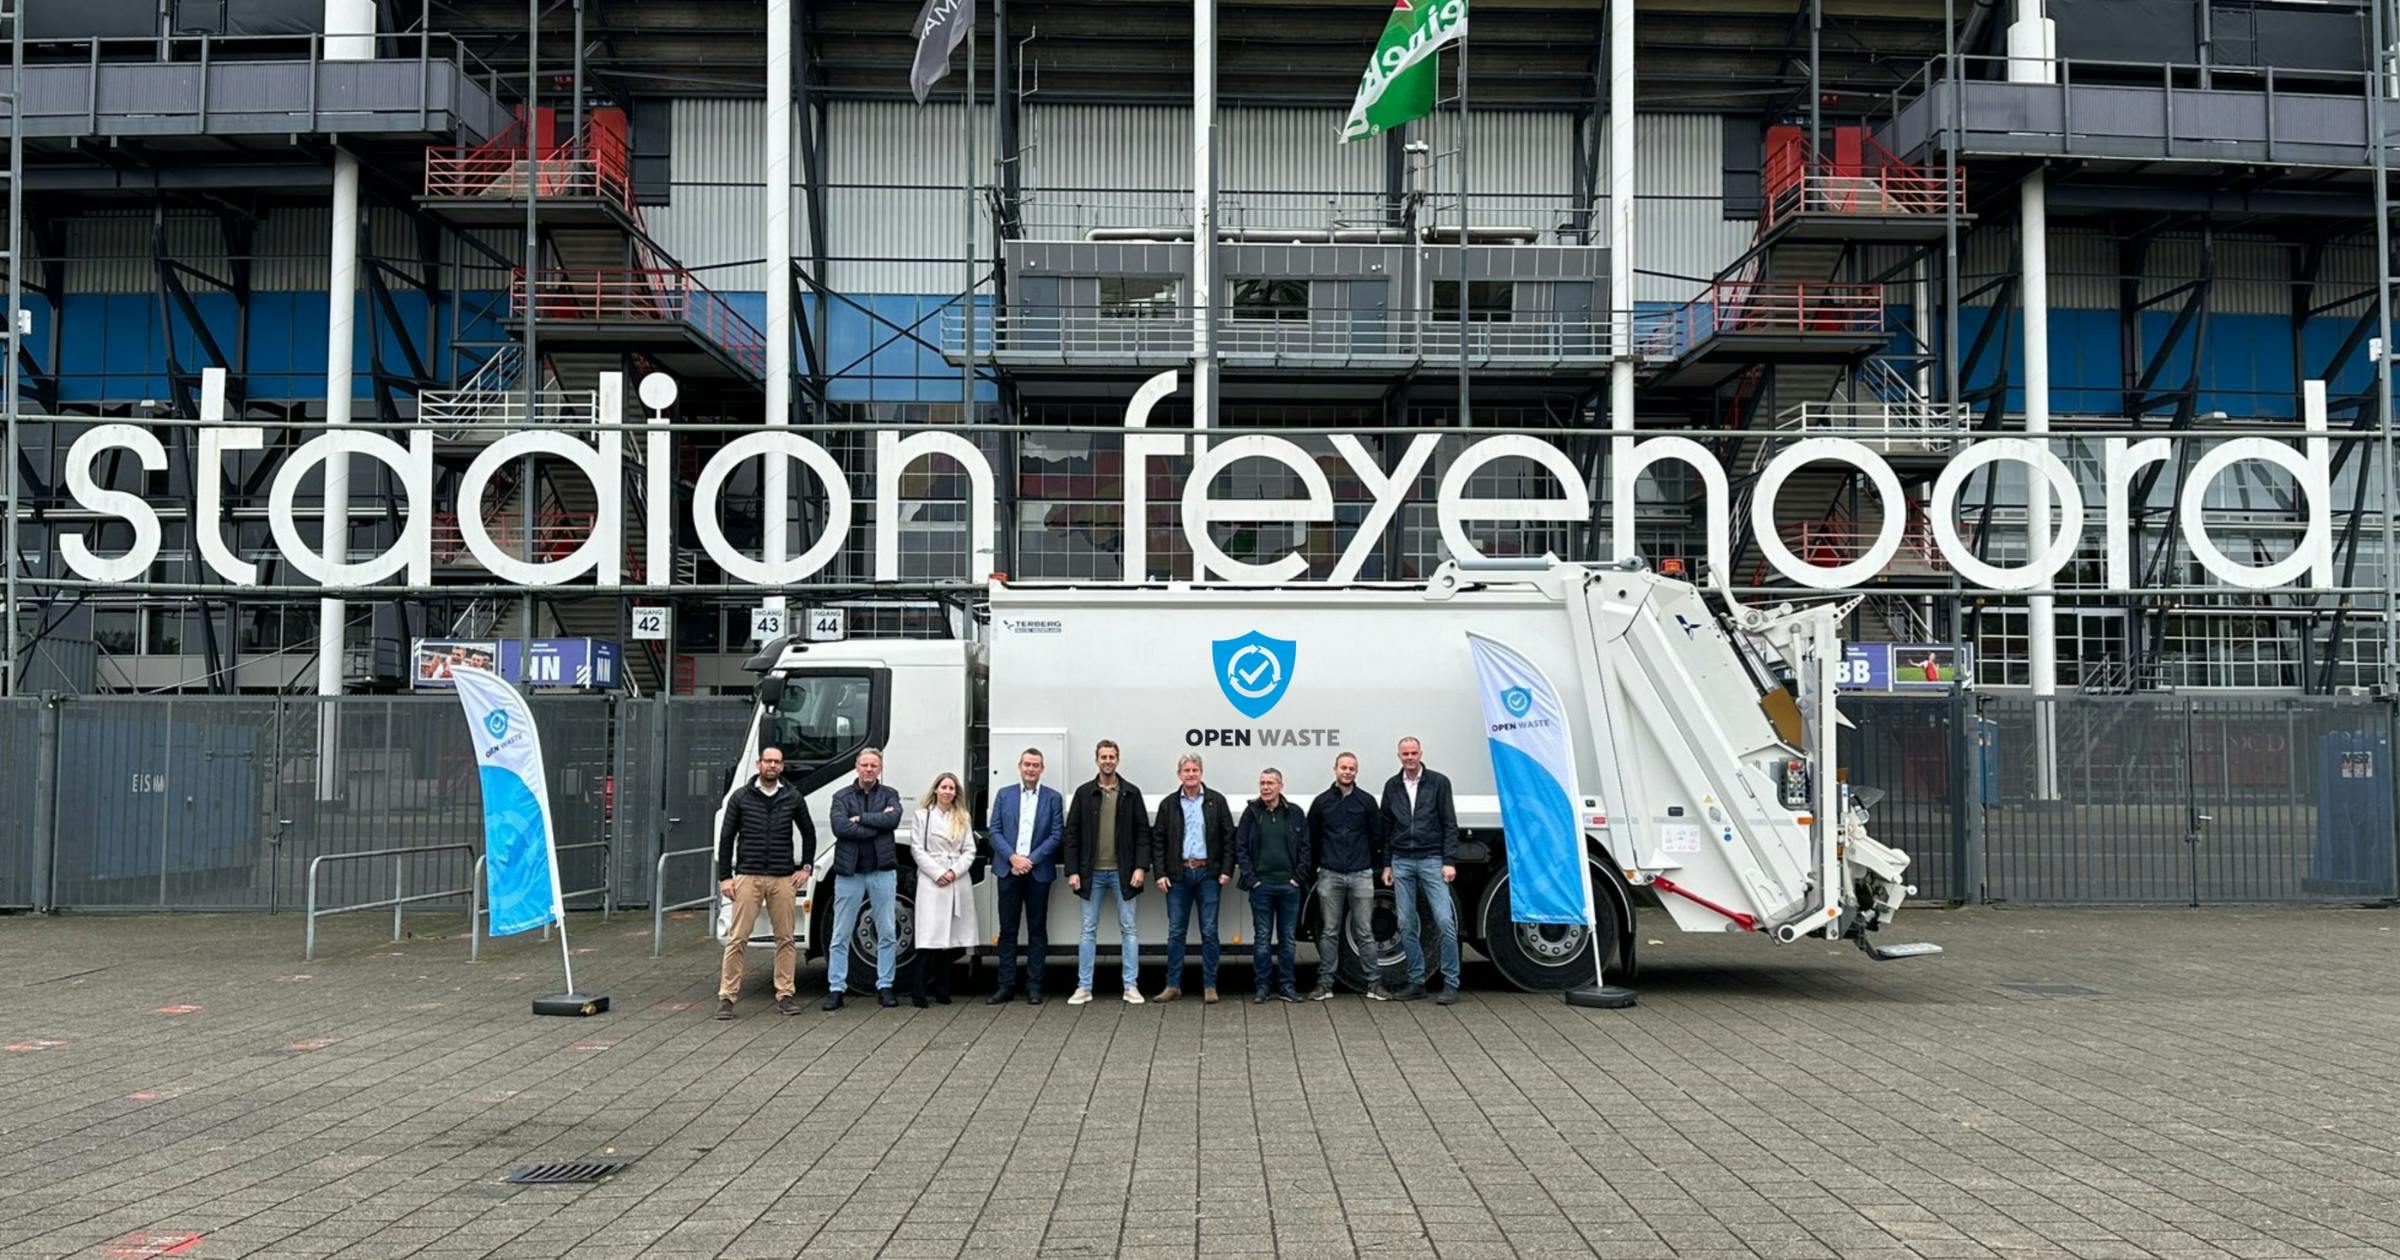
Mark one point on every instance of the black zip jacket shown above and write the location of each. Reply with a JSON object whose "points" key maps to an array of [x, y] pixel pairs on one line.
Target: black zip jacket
{"points": [[766, 835]]}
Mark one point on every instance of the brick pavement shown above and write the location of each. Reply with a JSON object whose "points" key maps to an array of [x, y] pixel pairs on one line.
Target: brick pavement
{"points": [[2215, 1083]]}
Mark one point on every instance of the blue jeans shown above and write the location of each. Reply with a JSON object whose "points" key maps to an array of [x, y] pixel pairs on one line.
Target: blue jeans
{"points": [[848, 891], [1191, 886], [1274, 916], [1027, 898], [1106, 889], [1414, 878]]}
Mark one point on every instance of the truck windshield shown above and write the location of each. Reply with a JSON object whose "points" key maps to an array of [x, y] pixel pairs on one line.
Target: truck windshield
{"points": [[820, 717]]}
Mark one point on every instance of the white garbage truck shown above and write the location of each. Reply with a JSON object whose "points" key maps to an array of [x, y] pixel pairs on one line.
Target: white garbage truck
{"points": [[1702, 728]]}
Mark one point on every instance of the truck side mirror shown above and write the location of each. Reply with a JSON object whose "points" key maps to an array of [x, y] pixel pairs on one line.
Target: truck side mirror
{"points": [[770, 690]]}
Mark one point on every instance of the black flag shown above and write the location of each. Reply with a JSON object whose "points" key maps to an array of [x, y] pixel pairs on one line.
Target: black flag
{"points": [[941, 27]]}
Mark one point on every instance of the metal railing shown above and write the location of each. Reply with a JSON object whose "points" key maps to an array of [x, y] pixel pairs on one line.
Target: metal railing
{"points": [[667, 295], [1838, 540], [223, 58], [1760, 307], [1881, 184], [556, 535], [1371, 339], [2086, 105], [593, 163], [485, 414], [1349, 218], [660, 907], [398, 901], [1886, 427], [476, 912]]}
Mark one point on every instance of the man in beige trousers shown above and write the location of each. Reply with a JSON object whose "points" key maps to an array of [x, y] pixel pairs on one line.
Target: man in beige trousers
{"points": [[765, 852]]}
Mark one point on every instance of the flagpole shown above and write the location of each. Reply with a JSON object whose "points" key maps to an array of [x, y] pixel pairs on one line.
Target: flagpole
{"points": [[1466, 417], [967, 302]]}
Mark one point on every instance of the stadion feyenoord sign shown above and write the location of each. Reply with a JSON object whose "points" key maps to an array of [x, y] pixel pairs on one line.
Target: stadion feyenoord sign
{"points": [[598, 561]]}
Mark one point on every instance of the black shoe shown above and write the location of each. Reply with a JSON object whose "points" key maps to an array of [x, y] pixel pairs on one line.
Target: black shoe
{"points": [[724, 1009], [787, 1005], [1449, 997], [1258, 997], [941, 999], [1033, 997], [917, 1000], [999, 997], [1291, 995], [883, 997], [1413, 993], [833, 1001], [1322, 993]]}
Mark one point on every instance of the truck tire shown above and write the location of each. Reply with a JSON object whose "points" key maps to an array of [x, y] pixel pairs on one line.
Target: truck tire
{"points": [[861, 980], [1540, 957], [1390, 963]]}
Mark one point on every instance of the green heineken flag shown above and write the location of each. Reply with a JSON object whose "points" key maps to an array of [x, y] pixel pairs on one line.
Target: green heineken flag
{"points": [[1398, 86]]}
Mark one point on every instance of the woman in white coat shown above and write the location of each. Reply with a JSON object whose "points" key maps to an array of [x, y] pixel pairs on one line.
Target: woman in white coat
{"points": [[944, 845]]}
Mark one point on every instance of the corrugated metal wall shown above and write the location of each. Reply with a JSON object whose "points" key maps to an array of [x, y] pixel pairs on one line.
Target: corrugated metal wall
{"points": [[110, 251]]}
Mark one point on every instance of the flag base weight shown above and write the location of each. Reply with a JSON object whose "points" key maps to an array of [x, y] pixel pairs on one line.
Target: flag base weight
{"points": [[1607, 997], [574, 1004]]}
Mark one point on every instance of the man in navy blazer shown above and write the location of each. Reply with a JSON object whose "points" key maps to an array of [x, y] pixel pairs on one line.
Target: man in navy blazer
{"points": [[1027, 821]]}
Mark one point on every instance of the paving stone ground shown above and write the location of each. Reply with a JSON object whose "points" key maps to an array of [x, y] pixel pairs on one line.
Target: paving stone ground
{"points": [[2090, 1083]]}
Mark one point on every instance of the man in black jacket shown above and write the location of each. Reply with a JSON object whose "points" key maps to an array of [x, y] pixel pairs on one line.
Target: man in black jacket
{"points": [[1192, 839], [1107, 854], [866, 866], [764, 853], [1420, 825], [1345, 835]]}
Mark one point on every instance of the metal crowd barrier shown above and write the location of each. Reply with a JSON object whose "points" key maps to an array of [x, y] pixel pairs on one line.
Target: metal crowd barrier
{"points": [[475, 920], [659, 906], [399, 898]]}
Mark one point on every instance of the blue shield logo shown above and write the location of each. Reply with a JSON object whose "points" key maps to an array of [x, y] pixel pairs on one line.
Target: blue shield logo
{"points": [[1516, 700], [497, 723], [1253, 671]]}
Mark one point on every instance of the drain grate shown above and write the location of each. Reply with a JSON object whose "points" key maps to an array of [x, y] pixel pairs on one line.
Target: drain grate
{"points": [[2051, 990], [580, 1173]]}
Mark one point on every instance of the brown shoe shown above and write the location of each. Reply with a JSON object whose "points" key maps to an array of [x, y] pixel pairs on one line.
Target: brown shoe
{"points": [[1168, 994], [1209, 996]]}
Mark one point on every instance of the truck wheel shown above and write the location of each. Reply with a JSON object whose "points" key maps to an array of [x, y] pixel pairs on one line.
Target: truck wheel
{"points": [[862, 944], [1390, 964], [1542, 957]]}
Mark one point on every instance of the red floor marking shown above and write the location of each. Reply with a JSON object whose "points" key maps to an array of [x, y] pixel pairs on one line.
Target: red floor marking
{"points": [[139, 1244], [180, 1008], [28, 1047]]}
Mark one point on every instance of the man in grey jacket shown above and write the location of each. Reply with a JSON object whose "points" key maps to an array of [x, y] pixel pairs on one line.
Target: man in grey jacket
{"points": [[866, 867]]}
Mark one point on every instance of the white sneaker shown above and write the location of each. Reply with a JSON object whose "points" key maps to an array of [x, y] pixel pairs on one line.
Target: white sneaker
{"points": [[1079, 997], [1133, 997]]}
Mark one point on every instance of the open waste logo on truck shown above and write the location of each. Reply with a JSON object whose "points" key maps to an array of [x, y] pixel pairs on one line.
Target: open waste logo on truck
{"points": [[1254, 670]]}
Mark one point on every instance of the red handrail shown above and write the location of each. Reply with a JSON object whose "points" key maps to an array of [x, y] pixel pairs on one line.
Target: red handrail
{"points": [[663, 294], [1880, 184], [595, 163]]}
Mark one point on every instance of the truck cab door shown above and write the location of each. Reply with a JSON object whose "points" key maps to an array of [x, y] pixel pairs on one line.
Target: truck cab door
{"points": [[823, 719]]}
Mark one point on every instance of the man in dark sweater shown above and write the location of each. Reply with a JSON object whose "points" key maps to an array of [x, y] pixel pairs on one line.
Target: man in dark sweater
{"points": [[866, 866], [765, 851], [1420, 825], [1345, 836], [1271, 847]]}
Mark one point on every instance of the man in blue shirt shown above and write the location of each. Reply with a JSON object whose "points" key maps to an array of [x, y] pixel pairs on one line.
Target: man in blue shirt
{"points": [[1193, 838], [1025, 830]]}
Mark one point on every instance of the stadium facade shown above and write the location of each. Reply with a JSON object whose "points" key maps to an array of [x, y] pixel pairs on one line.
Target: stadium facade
{"points": [[1903, 222]]}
